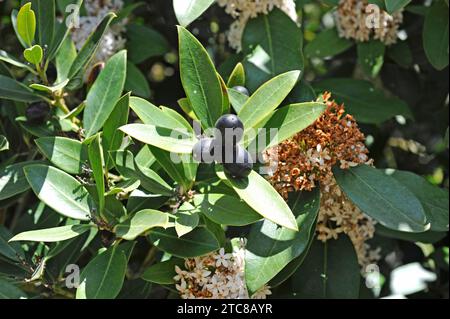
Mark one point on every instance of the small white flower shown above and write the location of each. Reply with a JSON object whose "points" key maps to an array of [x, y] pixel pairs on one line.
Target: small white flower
{"points": [[222, 258]]}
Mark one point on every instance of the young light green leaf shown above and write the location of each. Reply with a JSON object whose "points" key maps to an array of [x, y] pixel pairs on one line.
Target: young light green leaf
{"points": [[383, 198], [60, 191], [68, 154], [26, 23], [161, 137], [189, 10], [50, 89], [198, 242], [52, 235], [187, 108], [262, 197], [271, 248], [105, 93], [237, 76], [199, 78], [226, 210], [103, 277], [141, 222], [436, 33], [267, 98]]}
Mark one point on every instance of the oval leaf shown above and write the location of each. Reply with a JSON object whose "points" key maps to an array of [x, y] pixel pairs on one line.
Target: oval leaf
{"points": [[140, 223], [52, 235]]}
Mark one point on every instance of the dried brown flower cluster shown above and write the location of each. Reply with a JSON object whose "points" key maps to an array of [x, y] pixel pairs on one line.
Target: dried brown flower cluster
{"points": [[308, 158], [357, 20], [218, 275]]}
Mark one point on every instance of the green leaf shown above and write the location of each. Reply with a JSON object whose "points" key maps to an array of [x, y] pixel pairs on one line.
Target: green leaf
{"points": [[330, 271], [267, 98], [237, 99], [60, 191], [189, 10], [262, 197], [26, 24], [271, 248], [105, 93], [64, 59], [393, 6], [199, 242], [92, 43], [433, 199], [45, 16], [139, 200], [401, 54], [96, 160], [4, 144], [9, 291], [141, 222], [237, 77], [12, 180], [226, 210], [162, 273], [371, 56], [185, 105], [383, 198], [161, 137], [435, 34], [187, 219], [272, 44], [5, 57], [12, 251], [52, 235], [136, 81], [327, 44], [68, 154], [103, 277], [50, 89], [288, 121], [11, 89], [139, 38], [363, 101], [428, 237], [199, 78]]}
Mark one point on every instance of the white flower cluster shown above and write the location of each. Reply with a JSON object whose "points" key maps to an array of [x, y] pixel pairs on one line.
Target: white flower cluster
{"points": [[218, 275], [113, 40], [243, 10]]}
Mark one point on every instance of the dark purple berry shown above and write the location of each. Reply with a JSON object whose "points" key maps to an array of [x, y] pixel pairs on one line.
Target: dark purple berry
{"points": [[241, 165], [37, 113], [231, 128], [242, 90]]}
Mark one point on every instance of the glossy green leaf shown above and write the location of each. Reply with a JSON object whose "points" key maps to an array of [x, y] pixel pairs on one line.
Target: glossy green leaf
{"points": [[435, 200], [436, 33], [136, 81], [187, 11], [12, 180], [162, 273], [64, 59], [52, 235], [186, 219], [103, 277], [68, 154], [327, 44], [371, 57], [330, 271], [271, 248], [363, 101], [50, 89], [34, 54], [96, 160], [141, 222], [267, 98], [199, 242], [9, 291], [237, 99], [161, 137], [26, 23], [139, 200], [12, 251], [428, 237], [45, 16], [272, 44], [60, 191], [383, 198], [11, 89], [105, 93], [226, 210], [237, 77], [139, 38], [92, 43], [262, 197], [5, 57], [199, 78]]}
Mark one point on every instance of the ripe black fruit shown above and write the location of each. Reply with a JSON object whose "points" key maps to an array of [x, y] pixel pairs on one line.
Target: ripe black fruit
{"points": [[230, 125], [242, 163], [37, 113], [242, 90], [203, 151]]}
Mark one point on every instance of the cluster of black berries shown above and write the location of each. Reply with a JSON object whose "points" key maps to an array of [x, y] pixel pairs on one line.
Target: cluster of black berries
{"points": [[224, 148], [37, 113]]}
